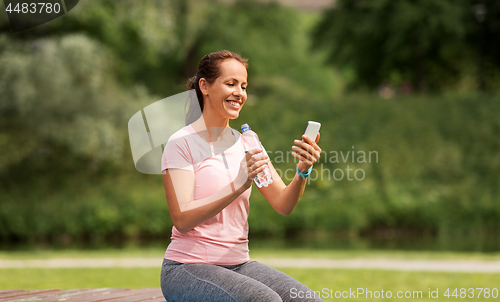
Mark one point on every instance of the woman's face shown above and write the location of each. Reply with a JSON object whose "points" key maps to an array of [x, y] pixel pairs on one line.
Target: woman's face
{"points": [[227, 95]]}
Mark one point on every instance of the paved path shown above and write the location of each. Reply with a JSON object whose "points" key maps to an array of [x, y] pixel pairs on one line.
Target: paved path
{"points": [[381, 264]]}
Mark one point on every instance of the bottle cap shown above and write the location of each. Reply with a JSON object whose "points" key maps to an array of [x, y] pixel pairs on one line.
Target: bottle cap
{"points": [[245, 128]]}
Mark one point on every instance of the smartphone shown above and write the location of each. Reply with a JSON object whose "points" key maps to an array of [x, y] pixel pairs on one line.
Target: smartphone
{"points": [[312, 129]]}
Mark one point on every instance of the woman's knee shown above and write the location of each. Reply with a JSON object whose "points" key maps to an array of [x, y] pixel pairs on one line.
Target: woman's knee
{"points": [[284, 285], [204, 282], [257, 295]]}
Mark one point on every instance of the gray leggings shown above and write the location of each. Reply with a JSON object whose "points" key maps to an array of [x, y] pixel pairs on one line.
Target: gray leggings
{"points": [[246, 282]]}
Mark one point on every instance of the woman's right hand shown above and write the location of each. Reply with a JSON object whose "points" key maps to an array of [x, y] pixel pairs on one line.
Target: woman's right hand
{"points": [[253, 163]]}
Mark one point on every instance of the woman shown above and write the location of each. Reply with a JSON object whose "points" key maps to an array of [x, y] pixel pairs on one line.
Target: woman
{"points": [[208, 179]]}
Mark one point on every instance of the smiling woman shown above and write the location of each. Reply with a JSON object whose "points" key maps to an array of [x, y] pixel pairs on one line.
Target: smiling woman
{"points": [[227, 94], [209, 72], [208, 174]]}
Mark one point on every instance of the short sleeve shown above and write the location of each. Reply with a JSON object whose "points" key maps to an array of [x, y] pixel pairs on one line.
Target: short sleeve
{"points": [[177, 155]]}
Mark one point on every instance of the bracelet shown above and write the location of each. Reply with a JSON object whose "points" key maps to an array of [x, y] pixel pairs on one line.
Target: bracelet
{"points": [[302, 174]]}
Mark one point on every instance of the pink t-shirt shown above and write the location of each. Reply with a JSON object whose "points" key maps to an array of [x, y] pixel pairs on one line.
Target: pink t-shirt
{"points": [[223, 239]]}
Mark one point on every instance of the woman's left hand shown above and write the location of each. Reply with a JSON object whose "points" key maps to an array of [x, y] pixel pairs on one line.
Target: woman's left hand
{"points": [[307, 152]]}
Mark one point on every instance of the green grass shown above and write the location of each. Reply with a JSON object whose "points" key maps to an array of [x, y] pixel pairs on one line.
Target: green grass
{"points": [[316, 279], [373, 254], [158, 252], [256, 253], [39, 278], [376, 280], [153, 252]]}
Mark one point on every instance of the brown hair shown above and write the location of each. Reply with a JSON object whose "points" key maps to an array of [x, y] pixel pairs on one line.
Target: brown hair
{"points": [[208, 68]]}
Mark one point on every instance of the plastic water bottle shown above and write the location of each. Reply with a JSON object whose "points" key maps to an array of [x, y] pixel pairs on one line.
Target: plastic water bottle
{"points": [[251, 141]]}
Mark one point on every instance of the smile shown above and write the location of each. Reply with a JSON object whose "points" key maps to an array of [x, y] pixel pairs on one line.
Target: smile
{"points": [[234, 104]]}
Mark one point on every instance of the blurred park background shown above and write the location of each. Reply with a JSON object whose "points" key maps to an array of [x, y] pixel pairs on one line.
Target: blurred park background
{"points": [[416, 81]]}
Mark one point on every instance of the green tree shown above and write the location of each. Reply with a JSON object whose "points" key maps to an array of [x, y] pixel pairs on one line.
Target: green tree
{"points": [[61, 93], [428, 43]]}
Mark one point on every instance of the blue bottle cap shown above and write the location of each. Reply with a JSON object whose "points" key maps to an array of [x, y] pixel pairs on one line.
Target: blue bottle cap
{"points": [[245, 128]]}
